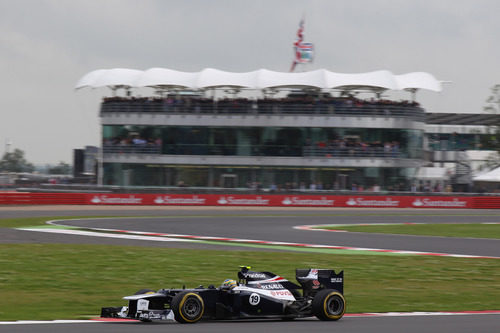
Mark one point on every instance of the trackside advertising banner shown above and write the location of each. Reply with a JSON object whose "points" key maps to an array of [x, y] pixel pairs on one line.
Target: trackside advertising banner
{"points": [[281, 200]]}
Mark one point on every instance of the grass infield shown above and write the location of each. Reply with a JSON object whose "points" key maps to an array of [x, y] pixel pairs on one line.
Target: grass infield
{"points": [[444, 230], [33, 221], [61, 281]]}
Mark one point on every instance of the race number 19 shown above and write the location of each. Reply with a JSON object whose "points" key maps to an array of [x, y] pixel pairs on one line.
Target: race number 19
{"points": [[254, 299]]}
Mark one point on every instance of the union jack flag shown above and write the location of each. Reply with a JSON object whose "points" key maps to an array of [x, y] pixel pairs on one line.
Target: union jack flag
{"points": [[303, 51]]}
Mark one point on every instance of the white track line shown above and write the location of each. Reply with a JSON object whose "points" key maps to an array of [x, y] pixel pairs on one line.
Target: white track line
{"points": [[420, 314], [355, 315], [37, 322], [107, 235]]}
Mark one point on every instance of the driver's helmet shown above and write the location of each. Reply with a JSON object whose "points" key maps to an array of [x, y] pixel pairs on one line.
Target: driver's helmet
{"points": [[229, 284]]}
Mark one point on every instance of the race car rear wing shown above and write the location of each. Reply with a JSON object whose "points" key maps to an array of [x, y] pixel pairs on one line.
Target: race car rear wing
{"points": [[313, 279]]}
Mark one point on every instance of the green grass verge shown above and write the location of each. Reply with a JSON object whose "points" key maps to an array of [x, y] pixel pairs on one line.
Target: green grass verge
{"points": [[23, 222], [37, 221], [56, 281], [443, 230]]}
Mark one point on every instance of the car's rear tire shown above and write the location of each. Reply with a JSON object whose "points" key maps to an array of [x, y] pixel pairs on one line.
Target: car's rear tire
{"points": [[188, 307], [328, 304]]}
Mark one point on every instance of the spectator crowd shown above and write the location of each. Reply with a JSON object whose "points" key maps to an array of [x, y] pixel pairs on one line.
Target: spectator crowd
{"points": [[322, 104], [345, 147]]}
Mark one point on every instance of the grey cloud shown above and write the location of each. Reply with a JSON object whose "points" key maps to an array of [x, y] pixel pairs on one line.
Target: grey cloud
{"points": [[46, 46]]}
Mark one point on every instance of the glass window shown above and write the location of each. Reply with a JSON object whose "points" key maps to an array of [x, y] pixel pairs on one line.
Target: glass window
{"points": [[270, 141]]}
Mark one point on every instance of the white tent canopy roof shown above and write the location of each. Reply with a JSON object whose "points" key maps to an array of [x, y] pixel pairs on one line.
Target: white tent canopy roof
{"points": [[115, 77], [432, 173], [259, 79], [491, 176]]}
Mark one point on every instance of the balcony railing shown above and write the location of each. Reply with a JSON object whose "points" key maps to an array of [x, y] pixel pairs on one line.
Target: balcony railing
{"points": [[131, 149], [445, 145], [368, 110], [351, 152], [271, 151]]}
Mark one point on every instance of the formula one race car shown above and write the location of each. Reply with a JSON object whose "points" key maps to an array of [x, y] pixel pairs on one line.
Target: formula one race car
{"points": [[256, 295]]}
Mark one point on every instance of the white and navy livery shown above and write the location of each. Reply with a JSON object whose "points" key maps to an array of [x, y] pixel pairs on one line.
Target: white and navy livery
{"points": [[257, 295]]}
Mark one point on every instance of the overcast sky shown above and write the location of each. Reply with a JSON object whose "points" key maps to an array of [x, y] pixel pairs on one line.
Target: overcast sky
{"points": [[47, 46]]}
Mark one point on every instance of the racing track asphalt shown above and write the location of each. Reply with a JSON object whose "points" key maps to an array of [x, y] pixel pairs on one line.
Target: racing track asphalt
{"points": [[427, 324], [275, 225], [278, 226]]}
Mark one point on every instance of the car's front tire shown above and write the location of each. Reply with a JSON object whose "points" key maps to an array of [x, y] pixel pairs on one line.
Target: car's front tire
{"points": [[188, 307], [328, 304], [145, 291]]}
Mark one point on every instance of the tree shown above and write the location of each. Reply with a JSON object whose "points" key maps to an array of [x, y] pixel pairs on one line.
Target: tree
{"points": [[493, 106], [15, 162], [493, 139], [493, 102], [61, 169]]}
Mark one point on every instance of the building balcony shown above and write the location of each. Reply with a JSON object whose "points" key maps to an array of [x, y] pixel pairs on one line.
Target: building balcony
{"points": [[260, 120], [309, 157], [264, 151], [412, 112]]}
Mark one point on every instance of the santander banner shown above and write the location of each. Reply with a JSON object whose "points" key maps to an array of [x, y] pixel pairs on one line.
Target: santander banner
{"points": [[271, 200]]}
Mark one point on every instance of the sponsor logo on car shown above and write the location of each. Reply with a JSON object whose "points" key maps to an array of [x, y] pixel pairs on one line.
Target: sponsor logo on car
{"points": [[142, 304], [152, 315], [271, 286], [255, 275], [313, 274], [281, 293]]}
